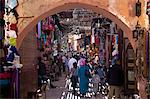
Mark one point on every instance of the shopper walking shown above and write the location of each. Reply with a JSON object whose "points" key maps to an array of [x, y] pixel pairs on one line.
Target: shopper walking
{"points": [[74, 77], [95, 81], [41, 71], [83, 74], [102, 74], [70, 63], [115, 80]]}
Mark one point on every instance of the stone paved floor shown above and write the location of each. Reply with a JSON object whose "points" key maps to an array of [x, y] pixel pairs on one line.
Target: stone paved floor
{"points": [[56, 92]]}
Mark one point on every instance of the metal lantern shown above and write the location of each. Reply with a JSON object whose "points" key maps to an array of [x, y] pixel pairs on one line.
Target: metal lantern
{"points": [[138, 8], [138, 32], [141, 33], [135, 33]]}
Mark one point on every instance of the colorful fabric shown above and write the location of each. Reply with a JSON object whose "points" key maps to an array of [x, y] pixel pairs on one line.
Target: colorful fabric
{"points": [[11, 53], [4, 82], [10, 33], [5, 75], [13, 27], [10, 18], [81, 62], [10, 57], [117, 39], [39, 29], [12, 41], [97, 41]]}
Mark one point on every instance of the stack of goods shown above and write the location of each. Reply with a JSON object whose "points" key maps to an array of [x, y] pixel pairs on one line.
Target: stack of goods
{"points": [[10, 61]]}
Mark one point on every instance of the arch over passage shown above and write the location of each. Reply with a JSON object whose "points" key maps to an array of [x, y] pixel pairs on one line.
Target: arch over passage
{"points": [[66, 5]]}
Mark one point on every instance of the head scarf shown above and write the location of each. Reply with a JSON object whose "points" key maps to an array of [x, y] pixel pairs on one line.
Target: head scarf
{"points": [[82, 62]]}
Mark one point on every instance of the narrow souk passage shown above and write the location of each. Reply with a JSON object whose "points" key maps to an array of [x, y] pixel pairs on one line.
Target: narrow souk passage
{"points": [[74, 49], [91, 41]]}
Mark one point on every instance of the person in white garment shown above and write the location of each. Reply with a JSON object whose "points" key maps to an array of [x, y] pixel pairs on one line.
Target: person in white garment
{"points": [[70, 63]]}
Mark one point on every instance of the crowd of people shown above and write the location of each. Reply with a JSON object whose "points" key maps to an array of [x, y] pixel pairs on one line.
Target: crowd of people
{"points": [[79, 70]]}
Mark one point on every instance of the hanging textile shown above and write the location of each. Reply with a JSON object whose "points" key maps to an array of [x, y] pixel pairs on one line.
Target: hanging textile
{"points": [[4, 82], [11, 3], [12, 51], [117, 39], [5, 75], [97, 41], [10, 18], [56, 19], [92, 36], [51, 24], [10, 37], [10, 33], [45, 38], [13, 27], [12, 41], [39, 29]]}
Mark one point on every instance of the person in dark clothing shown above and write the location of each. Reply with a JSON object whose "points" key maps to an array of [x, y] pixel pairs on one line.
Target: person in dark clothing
{"points": [[42, 73], [74, 77], [115, 80]]}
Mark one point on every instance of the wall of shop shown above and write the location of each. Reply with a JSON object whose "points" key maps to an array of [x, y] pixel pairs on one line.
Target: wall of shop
{"points": [[28, 52]]}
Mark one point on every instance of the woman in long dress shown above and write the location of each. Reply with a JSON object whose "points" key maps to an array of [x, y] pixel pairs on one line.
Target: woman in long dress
{"points": [[83, 78]]}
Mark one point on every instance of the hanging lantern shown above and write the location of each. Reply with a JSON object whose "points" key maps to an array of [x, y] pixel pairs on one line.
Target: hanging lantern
{"points": [[138, 31], [138, 8]]}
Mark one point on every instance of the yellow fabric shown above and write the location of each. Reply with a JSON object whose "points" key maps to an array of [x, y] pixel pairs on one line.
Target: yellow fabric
{"points": [[12, 41]]}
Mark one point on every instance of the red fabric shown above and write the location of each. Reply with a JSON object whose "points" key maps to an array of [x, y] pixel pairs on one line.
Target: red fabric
{"points": [[97, 41], [13, 27], [51, 27], [113, 39], [5, 75]]}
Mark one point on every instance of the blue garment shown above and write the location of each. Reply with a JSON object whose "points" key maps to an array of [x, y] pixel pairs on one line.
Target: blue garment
{"points": [[84, 80], [101, 72], [11, 56], [4, 82]]}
